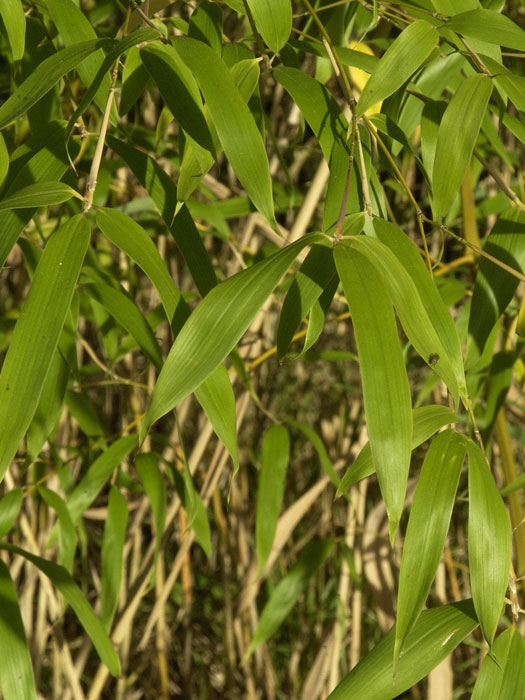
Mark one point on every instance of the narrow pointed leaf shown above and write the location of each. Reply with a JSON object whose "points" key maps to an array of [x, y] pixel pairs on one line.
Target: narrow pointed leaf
{"points": [[434, 636], [12, 12], [206, 25], [506, 681], [273, 19], [427, 420], [319, 447], [37, 332], [288, 590], [214, 328], [427, 529], [401, 60], [216, 397], [112, 555], [67, 537], [454, 146], [9, 508], [274, 464], [39, 195], [489, 26], [236, 127], [386, 392], [489, 543], [16, 669], [98, 473], [196, 512], [153, 482], [73, 596], [45, 76]]}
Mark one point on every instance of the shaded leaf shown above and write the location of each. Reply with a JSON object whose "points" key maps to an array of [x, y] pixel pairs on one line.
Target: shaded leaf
{"points": [[67, 538], [12, 12], [153, 482], [9, 508], [112, 556], [274, 464], [505, 681]]}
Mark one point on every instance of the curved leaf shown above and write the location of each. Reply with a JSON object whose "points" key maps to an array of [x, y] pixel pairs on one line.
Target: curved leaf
{"points": [[9, 508], [401, 60], [386, 392], [153, 482], [504, 680], [37, 331], [489, 26], [112, 555], [40, 194], [12, 12], [273, 19]]}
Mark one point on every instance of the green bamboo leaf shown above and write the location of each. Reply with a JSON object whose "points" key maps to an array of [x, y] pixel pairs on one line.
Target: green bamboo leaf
{"points": [[427, 420], [423, 288], [112, 555], [430, 120], [214, 328], [236, 128], [489, 543], [80, 407], [319, 447], [16, 669], [427, 530], [153, 482], [451, 7], [4, 160], [179, 91], [12, 12], [73, 26], [434, 636], [73, 596], [135, 77], [489, 26], [98, 473], [127, 314], [37, 331], [504, 680], [206, 25], [316, 271], [216, 397], [48, 163], [494, 287], [274, 465], [67, 537], [386, 392], [9, 508], [399, 62], [46, 75], [273, 19], [130, 237], [163, 192], [454, 146], [288, 590], [40, 194], [196, 512]]}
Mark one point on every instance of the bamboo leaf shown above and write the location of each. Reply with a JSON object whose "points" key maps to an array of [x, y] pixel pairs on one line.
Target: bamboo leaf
{"points": [[73, 26], [40, 194], [274, 464], [74, 597], [135, 77], [288, 590], [16, 669], [112, 556], [12, 12], [320, 448], [67, 538], [214, 328], [427, 530], [46, 75], [434, 636], [386, 392], [206, 25], [273, 19], [494, 287], [427, 420], [236, 128], [454, 146], [4, 160], [98, 473], [489, 543], [504, 680], [196, 512], [489, 26], [216, 397], [37, 331], [9, 508], [399, 62], [153, 482]]}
